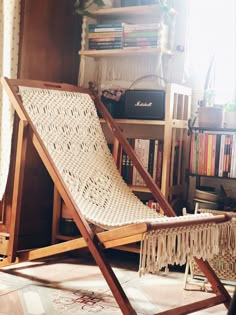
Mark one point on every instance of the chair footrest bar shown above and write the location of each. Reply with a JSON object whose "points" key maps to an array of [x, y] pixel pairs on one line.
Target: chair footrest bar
{"points": [[194, 307]]}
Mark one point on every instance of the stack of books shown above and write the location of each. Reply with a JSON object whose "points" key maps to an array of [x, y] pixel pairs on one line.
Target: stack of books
{"points": [[144, 35], [105, 36]]}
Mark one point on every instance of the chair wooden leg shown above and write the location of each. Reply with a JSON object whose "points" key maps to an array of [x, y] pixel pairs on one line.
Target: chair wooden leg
{"points": [[56, 214], [17, 189], [217, 286], [91, 240], [109, 275]]}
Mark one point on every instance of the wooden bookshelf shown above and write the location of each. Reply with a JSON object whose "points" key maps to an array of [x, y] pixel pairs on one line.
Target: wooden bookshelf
{"points": [[132, 10], [124, 52], [172, 129], [137, 122]]}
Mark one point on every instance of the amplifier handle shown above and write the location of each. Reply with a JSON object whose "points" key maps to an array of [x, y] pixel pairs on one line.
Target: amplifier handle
{"points": [[147, 76]]}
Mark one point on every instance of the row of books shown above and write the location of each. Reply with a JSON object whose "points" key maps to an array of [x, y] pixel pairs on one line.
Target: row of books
{"points": [[123, 35], [144, 35], [150, 153], [213, 154], [105, 36]]}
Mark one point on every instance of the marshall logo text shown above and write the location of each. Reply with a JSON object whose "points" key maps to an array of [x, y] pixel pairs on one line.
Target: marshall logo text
{"points": [[140, 104]]}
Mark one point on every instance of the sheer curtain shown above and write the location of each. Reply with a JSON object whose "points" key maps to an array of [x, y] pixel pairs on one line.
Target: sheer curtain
{"points": [[9, 43], [211, 33]]}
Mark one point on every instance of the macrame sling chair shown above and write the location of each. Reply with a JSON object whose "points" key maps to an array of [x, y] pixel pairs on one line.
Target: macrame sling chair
{"points": [[62, 123]]}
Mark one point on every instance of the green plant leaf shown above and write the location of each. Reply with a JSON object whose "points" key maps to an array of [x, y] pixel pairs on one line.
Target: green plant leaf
{"points": [[100, 3], [87, 13], [230, 107]]}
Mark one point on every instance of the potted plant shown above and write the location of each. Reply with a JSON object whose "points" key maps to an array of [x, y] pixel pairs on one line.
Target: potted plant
{"points": [[82, 6]]}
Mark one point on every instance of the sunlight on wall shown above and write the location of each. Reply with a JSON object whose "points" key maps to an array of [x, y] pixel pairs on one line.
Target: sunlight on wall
{"points": [[211, 31]]}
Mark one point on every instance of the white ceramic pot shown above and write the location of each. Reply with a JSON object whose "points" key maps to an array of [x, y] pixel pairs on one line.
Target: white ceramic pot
{"points": [[211, 117], [230, 119]]}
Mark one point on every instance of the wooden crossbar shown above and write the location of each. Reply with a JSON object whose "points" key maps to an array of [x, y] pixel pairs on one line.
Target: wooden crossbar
{"points": [[95, 242], [196, 306]]}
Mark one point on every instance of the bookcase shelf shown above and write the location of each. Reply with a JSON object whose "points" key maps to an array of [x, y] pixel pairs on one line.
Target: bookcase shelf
{"points": [[212, 152], [212, 161], [124, 52], [132, 10], [222, 130], [139, 189], [208, 176], [137, 122], [175, 123]]}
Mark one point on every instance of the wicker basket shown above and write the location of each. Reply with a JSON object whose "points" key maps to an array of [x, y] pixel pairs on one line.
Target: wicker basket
{"points": [[224, 265]]}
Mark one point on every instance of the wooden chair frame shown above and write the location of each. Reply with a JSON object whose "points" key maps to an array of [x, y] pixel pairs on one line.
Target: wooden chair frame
{"points": [[96, 243]]}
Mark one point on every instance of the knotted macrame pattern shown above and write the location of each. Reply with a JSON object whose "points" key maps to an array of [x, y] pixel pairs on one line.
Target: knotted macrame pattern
{"points": [[69, 127]]}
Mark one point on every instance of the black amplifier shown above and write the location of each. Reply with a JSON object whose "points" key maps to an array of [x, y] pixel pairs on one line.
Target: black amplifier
{"points": [[144, 104]]}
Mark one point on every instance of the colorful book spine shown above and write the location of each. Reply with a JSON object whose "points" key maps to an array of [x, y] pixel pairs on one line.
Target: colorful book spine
{"points": [[205, 154], [141, 35], [201, 154], [151, 157], [209, 154], [155, 160], [104, 40], [123, 169], [226, 144], [101, 28], [233, 158], [159, 164], [213, 155], [192, 144], [97, 25], [221, 163], [217, 159], [138, 27], [196, 152], [105, 35]]}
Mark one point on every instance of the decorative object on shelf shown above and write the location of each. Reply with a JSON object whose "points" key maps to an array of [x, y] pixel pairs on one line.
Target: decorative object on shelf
{"points": [[210, 117], [82, 6], [113, 101], [145, 103], [230, 116], [112, 98], [206, 195]]}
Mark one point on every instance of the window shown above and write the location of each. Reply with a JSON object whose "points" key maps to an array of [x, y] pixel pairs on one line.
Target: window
{"points": [[212, 33]]}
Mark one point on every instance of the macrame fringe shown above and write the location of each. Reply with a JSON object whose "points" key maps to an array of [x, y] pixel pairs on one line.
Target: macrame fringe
{"points": [[174, 246]]}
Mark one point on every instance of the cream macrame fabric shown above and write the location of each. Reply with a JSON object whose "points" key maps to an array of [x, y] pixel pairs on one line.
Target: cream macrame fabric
{"points": [[9, 49], [227, 233], [69, 127]]}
